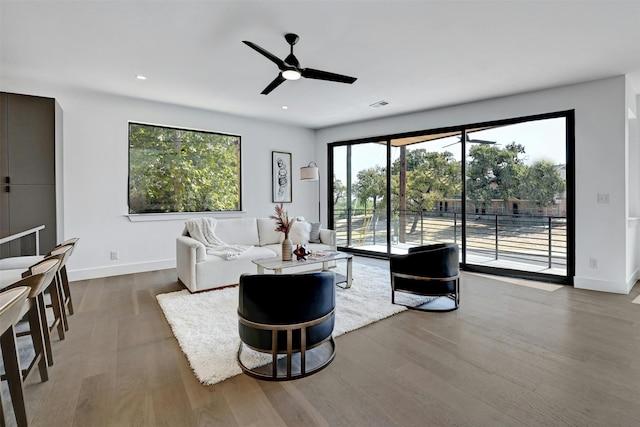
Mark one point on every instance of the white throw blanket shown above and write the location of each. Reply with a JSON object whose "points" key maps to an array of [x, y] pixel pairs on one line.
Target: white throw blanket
{"points": [[203, 230]]}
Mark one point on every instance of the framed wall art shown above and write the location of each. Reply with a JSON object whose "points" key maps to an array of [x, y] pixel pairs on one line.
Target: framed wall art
{"points": [[281, 177]]}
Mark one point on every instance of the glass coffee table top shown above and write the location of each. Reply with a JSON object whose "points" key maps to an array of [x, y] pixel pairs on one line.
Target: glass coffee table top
{"points": [[277, 264]]}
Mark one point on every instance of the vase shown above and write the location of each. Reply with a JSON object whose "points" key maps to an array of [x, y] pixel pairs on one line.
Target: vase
{"points": [[287, 248]]}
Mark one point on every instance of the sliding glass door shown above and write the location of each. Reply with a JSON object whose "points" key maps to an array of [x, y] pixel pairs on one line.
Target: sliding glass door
{"points": [[501, 190], [516, 196], [426, 184], [359, 195]]}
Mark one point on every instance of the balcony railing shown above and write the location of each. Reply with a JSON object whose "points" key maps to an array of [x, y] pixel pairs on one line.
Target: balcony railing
{"points": [[540, 240]]}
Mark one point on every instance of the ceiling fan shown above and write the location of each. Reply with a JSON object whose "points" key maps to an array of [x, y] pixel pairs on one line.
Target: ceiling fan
{"points": [[290, 67], [471, 141]]}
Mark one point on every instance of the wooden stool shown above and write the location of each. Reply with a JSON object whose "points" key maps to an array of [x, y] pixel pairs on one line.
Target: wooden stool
{"points": [[35, 310], [25, 262], [12, 302], [57, 295], [67, 302]]}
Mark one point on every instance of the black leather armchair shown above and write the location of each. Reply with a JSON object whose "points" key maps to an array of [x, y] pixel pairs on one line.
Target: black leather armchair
{"points": [[431, 270], [287, 314]]}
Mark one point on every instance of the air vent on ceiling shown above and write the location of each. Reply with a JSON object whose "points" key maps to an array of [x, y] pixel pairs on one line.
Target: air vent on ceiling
{"points": [[379, 104]]}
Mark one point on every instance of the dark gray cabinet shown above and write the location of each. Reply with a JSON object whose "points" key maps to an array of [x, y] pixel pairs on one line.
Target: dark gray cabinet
{"points": [[28, 126]]}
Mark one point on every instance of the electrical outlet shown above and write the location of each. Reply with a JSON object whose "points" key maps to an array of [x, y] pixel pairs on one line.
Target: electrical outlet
{"points": [[604, 198], [115, 255], [593, 262]]}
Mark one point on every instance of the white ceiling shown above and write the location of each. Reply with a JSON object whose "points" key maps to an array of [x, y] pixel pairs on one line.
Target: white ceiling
{"points": [[415, 55]]}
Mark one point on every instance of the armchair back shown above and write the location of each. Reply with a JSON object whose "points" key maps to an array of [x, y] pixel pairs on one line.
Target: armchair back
{"points": [[431, 270]]}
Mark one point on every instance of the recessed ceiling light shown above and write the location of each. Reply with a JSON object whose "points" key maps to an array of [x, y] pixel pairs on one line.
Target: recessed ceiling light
{"points": [[140, 77], [285, 107]]}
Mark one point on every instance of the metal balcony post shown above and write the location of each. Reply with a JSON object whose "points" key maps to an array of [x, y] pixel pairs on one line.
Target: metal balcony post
{"points": [[496, 236], [421, 227], [373, 221], [549, 241], [455, 227]]}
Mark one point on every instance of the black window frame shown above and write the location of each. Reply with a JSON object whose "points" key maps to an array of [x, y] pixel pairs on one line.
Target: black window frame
{"points": [[201, 131], [568, 115]]}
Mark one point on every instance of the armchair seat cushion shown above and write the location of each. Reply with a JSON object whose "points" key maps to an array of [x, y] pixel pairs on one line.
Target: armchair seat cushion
{"points": [[418, 286]]}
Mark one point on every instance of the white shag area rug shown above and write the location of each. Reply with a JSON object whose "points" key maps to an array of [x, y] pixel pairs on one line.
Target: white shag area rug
{"points": [[206, 324]]}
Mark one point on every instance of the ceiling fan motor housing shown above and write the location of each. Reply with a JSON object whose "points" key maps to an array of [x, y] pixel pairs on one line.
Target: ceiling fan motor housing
{"points": [[291, 38]]}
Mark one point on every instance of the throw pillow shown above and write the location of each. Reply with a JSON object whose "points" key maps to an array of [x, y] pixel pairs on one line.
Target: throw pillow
{"points": [[299, 233], [314, 235], [267, 232]]}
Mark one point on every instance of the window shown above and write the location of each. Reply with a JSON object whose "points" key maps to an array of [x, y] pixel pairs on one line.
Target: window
{"points": [[182, 170]]}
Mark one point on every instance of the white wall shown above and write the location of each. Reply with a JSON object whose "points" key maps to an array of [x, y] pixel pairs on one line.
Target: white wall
{"points": [[601, 229], [95, 176], [633, 184]]}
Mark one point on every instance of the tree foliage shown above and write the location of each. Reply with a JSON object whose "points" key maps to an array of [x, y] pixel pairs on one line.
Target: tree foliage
{"points": [[541, 183], [495, 173], [176, 170], [435, 177], [339, 191], [492, 173], [370, 185]]}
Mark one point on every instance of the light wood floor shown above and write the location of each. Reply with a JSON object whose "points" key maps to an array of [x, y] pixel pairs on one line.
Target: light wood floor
{"points": [[511, 355]]}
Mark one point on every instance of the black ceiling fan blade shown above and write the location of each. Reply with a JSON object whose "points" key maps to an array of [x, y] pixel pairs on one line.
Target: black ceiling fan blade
{"points": [[310, 73], [279, 62], [274, 84]]}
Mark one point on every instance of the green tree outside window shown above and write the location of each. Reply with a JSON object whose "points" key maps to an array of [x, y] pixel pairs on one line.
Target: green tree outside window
{"points": [[180, 170]]}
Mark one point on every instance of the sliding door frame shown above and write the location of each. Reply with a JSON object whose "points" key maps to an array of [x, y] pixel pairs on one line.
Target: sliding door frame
{"points": [[569, 116]]}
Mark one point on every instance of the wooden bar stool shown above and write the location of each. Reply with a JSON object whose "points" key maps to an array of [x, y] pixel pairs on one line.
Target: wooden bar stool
{"points": [[67, 302], [24, 262], [54, 289], [56, 292], [12, 302], [41, 276]]}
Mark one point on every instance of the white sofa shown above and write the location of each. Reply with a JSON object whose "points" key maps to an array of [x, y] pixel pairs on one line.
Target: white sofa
{"points": [[199, 271]]}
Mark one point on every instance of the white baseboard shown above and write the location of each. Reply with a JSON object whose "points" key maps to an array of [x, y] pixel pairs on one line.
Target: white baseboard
{"points": [[600, 285], [632, 281], [118, 270]]}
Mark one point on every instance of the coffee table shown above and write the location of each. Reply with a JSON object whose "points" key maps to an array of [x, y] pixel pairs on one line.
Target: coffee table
{"points": [[277, 265]]}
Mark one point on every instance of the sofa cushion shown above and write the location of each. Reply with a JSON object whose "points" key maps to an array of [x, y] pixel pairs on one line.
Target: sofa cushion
{"points": [[216, 272], [238, 231], [267, 232]]}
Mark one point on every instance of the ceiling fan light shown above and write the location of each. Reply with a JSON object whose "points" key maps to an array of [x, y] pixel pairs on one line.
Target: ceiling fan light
{"points": [[291, 74]]}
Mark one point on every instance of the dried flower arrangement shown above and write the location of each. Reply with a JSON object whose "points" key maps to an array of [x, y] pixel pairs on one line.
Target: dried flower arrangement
{"points": [[282, 221]]}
